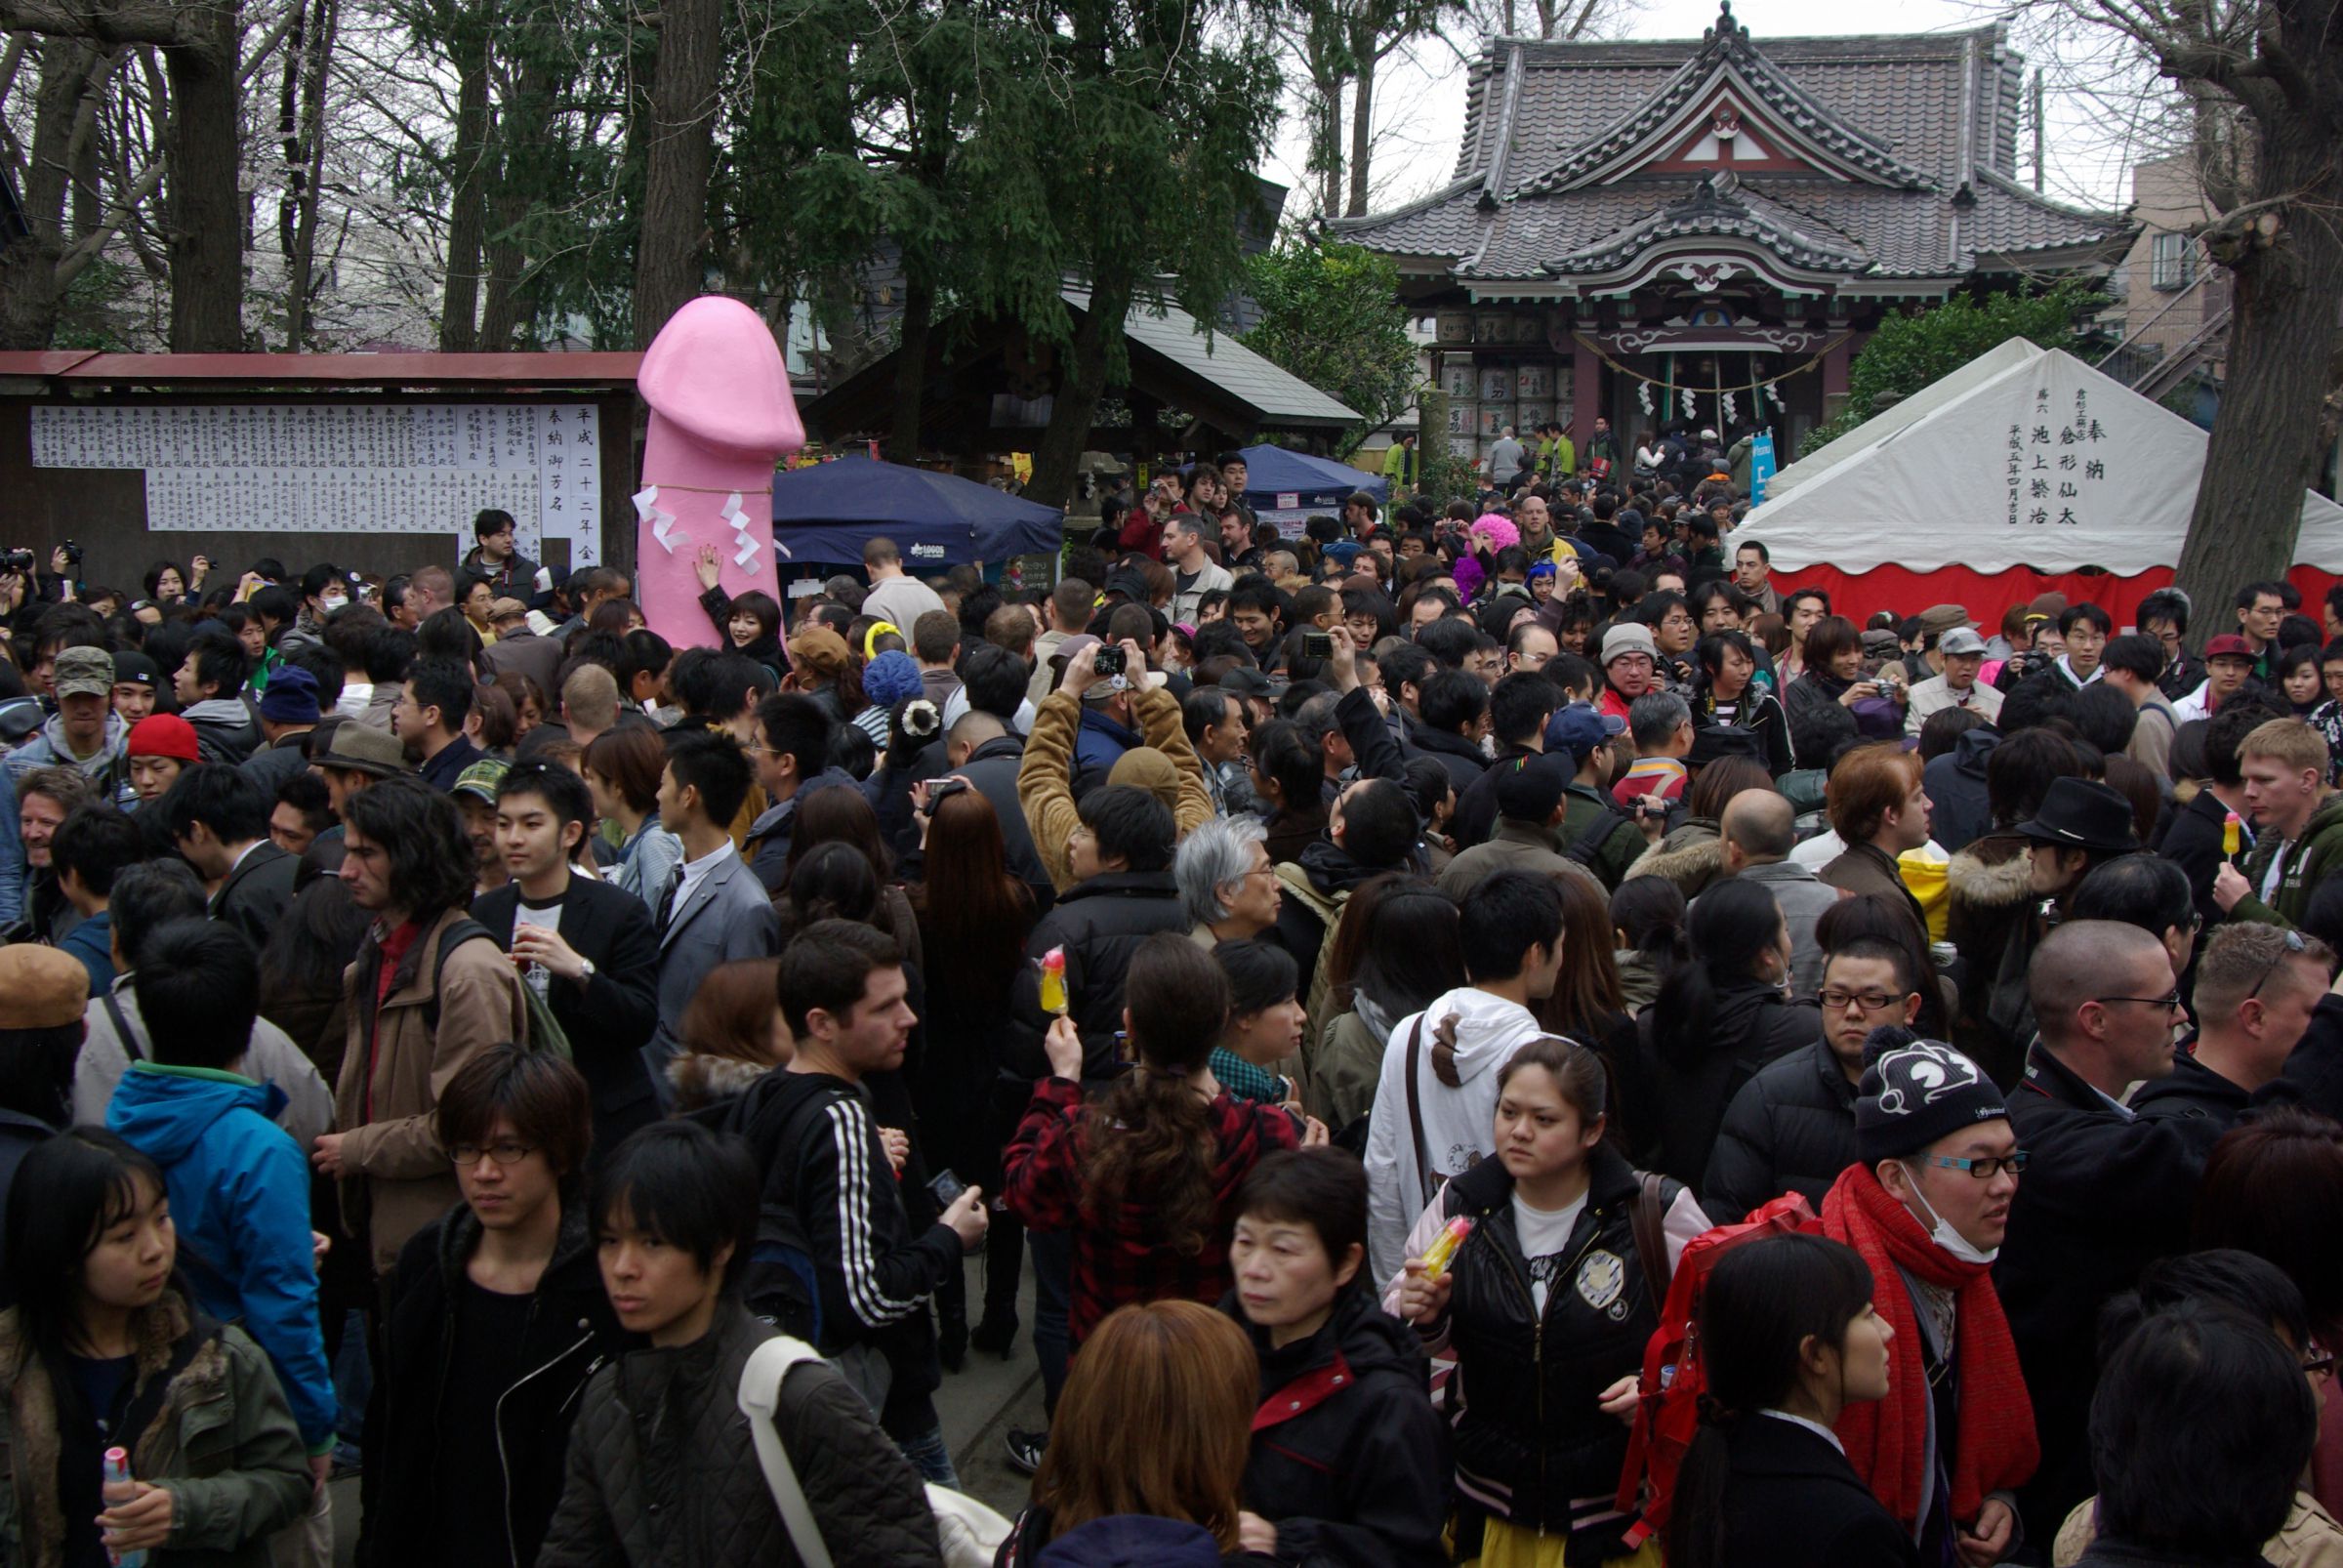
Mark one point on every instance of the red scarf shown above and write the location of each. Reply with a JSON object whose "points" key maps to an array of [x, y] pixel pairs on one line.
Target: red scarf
{"points": [[1995, 1447]]}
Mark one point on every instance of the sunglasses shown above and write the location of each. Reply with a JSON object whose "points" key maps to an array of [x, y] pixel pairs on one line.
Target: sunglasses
{"points": [[2293, 948]]}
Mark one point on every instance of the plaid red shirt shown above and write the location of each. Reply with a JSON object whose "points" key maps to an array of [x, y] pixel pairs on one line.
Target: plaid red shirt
{"points": [[1120, 1256]]}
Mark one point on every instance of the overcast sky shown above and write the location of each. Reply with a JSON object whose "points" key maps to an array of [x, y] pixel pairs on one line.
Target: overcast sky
{"points": [[1423, 96]]}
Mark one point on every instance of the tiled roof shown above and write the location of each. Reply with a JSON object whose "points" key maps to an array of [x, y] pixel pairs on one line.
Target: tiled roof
{"points": [[1924, 114], [1717, 206], [1277, 395], [1727, 48]]}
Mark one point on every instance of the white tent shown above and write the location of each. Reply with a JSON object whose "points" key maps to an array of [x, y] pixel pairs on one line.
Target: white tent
{"points": [[2038, 462], [1902, 414]]}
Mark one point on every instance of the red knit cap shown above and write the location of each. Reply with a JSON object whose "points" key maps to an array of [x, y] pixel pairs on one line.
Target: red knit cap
{"points": [[163, 735]]}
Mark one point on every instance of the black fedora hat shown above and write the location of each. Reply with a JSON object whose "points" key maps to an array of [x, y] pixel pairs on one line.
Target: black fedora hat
{"points": [[2080, 814]]}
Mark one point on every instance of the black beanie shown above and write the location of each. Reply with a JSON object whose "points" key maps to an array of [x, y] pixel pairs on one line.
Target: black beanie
{"points": [[1912, 1094]]}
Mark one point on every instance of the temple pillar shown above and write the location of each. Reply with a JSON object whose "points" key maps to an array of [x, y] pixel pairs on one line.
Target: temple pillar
{"points": [[1585, 396], [1835, 375]]}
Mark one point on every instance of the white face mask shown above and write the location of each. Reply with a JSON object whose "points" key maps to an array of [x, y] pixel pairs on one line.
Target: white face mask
{"points": [[1940, 1230], [333, 602]]}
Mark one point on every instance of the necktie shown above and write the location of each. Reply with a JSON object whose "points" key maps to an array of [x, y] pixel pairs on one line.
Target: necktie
{"points": [[667, 901]]}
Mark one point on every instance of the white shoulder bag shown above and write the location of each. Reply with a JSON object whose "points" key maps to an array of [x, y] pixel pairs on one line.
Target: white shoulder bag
{"points": [[970, 1532]]}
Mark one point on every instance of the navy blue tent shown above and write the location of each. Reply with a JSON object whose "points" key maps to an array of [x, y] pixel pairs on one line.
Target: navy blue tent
{"points": [[824, 514], [1318, 483]]}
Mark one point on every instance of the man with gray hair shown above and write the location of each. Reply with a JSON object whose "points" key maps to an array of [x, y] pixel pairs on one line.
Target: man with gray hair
{"points": [[1316, 721], [1660, 723], [2107, 1191], [1505, 460], [1227, 885], [1759, 829]]}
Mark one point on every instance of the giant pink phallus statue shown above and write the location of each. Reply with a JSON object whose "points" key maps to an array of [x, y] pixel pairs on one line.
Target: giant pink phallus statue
{"points": [[721, 416]]}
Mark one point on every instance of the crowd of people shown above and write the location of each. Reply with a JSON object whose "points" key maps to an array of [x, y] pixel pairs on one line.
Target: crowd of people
{"points": [[450, 1031]]}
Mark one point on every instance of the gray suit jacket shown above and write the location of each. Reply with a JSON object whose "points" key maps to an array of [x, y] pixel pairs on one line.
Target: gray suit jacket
{"points": [[726, 917]]}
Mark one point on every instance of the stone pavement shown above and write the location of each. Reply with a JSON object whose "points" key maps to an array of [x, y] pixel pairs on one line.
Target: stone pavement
{"points": [[978, 1405]]}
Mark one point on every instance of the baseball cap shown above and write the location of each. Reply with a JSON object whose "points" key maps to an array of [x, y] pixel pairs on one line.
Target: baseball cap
{"points": [[1961, 639], [163, 735], [41, 987], [1528, 788], [2229, 645], [1630, 638], [1579, 729], [480, 779], [85, 673]]}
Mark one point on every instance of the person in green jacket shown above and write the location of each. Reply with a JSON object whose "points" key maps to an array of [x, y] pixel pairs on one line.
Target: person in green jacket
{"points": [[1557, 458], [1592, 829], [2299, 821], [100, 1351], [1401, 467]]}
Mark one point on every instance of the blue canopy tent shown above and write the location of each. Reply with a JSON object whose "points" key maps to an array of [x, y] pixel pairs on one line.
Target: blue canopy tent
{"points": [[1316, 484], [824, 514]]}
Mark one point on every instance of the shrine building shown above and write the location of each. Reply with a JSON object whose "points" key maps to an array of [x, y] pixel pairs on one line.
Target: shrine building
{"points": [[1709, 231]]}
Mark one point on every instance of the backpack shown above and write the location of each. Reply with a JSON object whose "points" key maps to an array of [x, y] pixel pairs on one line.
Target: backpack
{"points": [[780, 1283], [544, 1031], [1668, 1415]]}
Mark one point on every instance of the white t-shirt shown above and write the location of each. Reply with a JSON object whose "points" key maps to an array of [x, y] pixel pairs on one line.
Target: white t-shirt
{"points": [[1545, 1242]]}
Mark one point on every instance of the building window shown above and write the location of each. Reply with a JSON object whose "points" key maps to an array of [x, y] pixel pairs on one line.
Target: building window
{"points": [[2173, 262]]}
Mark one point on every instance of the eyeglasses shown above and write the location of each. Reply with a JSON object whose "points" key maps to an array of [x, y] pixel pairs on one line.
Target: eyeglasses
{"points": [[505, 1151], [1838, 1000], [2170, 1003], [2294, 948], [2319, 1364], [1984, 1170]]}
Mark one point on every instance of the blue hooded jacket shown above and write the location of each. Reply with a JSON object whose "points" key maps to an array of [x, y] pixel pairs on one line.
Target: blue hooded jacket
{"points": [[239, 1192]]}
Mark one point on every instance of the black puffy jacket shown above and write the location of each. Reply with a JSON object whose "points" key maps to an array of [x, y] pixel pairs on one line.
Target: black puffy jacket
{"points": [[1100, 923], [570, 1333], [1671, 1114], [1347, 1444], [1531, 1436], [663, 1471], [1791, 1128]]}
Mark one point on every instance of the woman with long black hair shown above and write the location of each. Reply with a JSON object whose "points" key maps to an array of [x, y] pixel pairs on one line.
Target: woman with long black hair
{"points": [[972, 919], [103, 1351], [1721, 1013], [1788, 1341]]}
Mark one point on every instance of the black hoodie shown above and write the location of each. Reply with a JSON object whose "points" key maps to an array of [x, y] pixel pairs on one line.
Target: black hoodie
{"points": [[1346, 1447], [1955, 782], [1332, 874]]}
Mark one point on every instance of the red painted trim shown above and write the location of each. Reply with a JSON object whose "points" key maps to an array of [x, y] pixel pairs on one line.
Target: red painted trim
{"points": [[1986, 595], [357, 369], [1303, 1394]]}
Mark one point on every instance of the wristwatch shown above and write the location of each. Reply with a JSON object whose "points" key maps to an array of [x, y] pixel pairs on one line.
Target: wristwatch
{"points": [[586, 969]]}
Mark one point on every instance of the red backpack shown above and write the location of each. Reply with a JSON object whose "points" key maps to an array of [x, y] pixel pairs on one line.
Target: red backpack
{"points": [[1673, 1382]]}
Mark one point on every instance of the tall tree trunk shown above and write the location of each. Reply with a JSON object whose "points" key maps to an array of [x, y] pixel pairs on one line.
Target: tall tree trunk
{"points": [[206, 217], [303, 119], [507, 306], [675, 160], [2285, 301], [29, 292], [911, 372], [467, 164], [1362, 116], [1058, 454]]}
